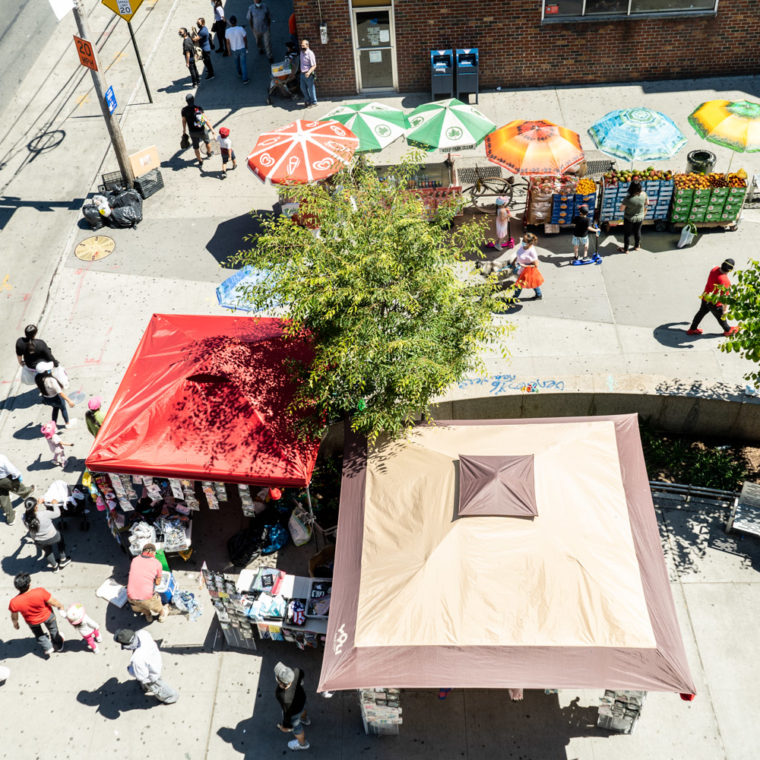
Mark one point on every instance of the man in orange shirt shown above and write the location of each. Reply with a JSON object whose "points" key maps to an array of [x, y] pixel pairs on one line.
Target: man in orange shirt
{"points": [[144, 576], [35, 606], [716, 280]]}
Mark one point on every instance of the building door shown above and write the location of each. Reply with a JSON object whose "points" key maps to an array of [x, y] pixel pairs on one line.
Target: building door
{"points": [[374, 48]]}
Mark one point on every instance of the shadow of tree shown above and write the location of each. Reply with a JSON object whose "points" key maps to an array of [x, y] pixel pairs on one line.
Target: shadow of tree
{"points": [[714, 390]]}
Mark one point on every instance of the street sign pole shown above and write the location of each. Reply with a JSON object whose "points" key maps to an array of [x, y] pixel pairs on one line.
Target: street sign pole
{"points": [[139, 61], [117, 139]]}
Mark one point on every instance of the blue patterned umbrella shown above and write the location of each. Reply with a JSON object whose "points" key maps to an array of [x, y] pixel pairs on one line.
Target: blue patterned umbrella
{"points": [[231, 293], [637, 134]]}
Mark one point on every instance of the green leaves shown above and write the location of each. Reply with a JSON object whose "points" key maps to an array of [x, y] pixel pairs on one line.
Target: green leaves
{"points": [[394, 306]]}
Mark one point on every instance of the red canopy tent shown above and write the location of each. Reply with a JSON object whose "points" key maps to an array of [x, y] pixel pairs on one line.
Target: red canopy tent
{"points": [[207, 398]]}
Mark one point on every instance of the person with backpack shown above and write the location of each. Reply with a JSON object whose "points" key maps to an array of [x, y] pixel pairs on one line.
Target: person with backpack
{"points": [[203, 40], [188, 53], [195, 122], [51, 389]]}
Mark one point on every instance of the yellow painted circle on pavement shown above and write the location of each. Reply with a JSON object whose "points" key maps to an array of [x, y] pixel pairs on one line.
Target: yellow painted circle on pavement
{"points": [[95, 248]]}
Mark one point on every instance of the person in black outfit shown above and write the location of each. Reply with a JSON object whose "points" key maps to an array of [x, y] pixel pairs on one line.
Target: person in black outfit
{"points": [[30, 350], [292, 698], [581, 226], [195, 122], [188, 53]]}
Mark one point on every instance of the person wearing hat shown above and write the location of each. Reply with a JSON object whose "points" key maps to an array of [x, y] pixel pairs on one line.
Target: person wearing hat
{"points": [[144, 575], [292, 698], [145, 665], [10, 482], [94, 415], [52, 391], [502, 225], [717, 282], [196, 124], [225, 148]]}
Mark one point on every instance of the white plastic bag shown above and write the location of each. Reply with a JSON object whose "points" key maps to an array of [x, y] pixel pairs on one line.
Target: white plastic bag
{"points": [[57, 494], [299, 526], [59, 373], [27, 375], [688, 236]]}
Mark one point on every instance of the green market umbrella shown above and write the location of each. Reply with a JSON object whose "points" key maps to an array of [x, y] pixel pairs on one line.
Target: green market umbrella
{"points": [[375, 124], [447, 125]]}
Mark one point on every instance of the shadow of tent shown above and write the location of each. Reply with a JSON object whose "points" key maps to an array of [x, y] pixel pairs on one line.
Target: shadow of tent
{"points": [[228, 237]]}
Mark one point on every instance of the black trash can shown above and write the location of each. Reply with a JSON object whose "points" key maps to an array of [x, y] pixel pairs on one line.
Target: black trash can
{"points": [[467, 73], [700, 161], [442, 73]]}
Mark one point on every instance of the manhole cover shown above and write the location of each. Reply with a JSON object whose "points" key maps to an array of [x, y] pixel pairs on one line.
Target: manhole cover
{"points": [[95, 248]]}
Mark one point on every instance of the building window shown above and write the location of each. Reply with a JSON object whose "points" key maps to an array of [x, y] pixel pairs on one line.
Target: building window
{"points": [[563, 10]]}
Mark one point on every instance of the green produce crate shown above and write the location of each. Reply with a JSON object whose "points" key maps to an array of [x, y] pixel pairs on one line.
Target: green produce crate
{"points": [[715, 205], [732, 208], [681, 208], [697, 216], [702, 192], [731, 216], [720, 192], [679, 218], [713, 217], [684, 192], [737, 192]]}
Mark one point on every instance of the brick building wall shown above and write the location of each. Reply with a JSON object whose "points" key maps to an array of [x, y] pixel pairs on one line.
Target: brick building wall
{"points": [[516, 51]]}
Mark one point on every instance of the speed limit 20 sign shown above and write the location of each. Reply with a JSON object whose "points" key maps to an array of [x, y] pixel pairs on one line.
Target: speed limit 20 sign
{"points": [[86, 53]]}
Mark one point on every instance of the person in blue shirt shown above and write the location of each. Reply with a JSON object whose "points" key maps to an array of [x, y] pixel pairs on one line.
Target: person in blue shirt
{"points": [[203, 40]]}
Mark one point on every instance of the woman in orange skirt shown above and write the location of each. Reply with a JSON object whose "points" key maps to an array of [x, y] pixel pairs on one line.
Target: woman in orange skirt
{"points": [[527, 260]]}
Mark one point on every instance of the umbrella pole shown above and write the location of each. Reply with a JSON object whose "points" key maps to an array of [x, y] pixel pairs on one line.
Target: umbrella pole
{"points": [[311, 517], [730, 161]]}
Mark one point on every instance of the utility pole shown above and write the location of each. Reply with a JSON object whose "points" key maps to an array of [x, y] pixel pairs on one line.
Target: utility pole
{"points": [[117, 139]]}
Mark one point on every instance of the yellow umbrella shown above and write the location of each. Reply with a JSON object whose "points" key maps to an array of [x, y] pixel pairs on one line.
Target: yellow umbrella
{"points": [[733, 124]]}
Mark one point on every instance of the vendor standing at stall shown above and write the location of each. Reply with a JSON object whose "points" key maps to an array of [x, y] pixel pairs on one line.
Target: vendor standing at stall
{"points": [[634, 208], [144, 575]]}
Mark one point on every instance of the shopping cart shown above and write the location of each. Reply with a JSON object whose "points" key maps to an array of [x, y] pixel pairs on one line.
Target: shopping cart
{"points": [[279, 83]]}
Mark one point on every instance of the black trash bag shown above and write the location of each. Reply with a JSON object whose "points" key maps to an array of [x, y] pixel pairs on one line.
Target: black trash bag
{"points": [[244, 547], [124, 198], [126, 216], [93, 216]]}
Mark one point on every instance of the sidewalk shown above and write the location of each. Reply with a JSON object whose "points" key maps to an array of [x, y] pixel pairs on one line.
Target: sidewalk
{"points": [[596, 324]]}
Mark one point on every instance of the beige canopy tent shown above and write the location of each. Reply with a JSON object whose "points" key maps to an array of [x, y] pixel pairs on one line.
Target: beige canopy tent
{"points": [[502, 553]]}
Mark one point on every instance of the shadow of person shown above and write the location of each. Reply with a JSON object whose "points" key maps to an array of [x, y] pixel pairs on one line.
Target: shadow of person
{"points": [[24, 400], [41, 464], [115, 697], [13, 564], [12, 649], [29, 432], [673, 335]]}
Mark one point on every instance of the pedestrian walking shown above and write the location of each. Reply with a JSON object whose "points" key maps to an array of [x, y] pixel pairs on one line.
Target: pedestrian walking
{"points": [[634, 208], [292, 698], [581, 226], [260, 21], [35, 605], [502, 225], [219, 27], [30, 351], [50, 432], [308, 68], [38, 518], [51, 389], [225, 148], [203, 40], [196, 123], [144, 575], [87, 628], [237, 46], [10, 482], [188, 53], [527, 261], [94, 415], [145, 665], [717, 281]]}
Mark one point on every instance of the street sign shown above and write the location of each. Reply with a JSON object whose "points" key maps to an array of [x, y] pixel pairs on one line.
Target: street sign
{"points": [[111, 100], [124, 8], [86, 53]]}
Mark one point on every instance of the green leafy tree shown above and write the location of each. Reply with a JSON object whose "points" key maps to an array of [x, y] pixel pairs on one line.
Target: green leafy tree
{"points": [[393, 303], [743, 305]]}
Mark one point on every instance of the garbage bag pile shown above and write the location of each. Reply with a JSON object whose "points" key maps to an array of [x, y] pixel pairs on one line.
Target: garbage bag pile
{"points": [[117, 209]]}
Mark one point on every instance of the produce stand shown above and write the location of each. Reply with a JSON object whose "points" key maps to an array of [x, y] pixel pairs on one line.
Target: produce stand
{"points": [[435, 183], [708, 200], [554, 201], [658, 185]]}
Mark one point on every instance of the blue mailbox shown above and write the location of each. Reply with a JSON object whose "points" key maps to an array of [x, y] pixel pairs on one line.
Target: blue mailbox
{"points": [[467, 62], [442, 73]]}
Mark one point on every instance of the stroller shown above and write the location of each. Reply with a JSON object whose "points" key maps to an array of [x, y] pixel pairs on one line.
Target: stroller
{"points": [[504, 267], [282, 83]]}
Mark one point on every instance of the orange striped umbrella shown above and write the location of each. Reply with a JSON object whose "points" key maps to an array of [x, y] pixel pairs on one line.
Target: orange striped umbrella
{"points": [[534, 147]]}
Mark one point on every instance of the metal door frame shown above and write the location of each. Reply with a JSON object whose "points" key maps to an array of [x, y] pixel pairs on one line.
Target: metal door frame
{"points": [[355, 44]]}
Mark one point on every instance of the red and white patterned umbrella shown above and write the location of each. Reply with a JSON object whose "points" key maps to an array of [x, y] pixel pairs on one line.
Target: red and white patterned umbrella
{"points": [[303, 151]]}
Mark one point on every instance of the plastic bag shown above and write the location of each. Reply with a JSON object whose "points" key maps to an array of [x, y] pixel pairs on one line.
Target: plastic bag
{"points": [[57, 493], [126, 216], [59, 373], [101, 203], [27, 375], [299, 527], [92, 215], [688, 236]]}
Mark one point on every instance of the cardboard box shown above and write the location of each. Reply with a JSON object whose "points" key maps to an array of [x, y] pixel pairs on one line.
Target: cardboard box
{"points": [[144, 161]]}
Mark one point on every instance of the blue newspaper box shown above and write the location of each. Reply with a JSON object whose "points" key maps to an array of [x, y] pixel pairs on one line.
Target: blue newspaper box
{"points": [[442, 73], [468, 65]]}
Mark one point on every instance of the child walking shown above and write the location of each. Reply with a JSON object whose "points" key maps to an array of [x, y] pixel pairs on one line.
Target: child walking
{"points": [[225, 148], [581, 226], [50, 431], [87, 627], [502, 225]]}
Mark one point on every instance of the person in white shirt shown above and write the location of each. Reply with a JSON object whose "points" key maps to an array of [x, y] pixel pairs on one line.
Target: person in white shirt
{"points": [[237, 45], [225, 148], [145, 664], [10, 482], [527, 260]]}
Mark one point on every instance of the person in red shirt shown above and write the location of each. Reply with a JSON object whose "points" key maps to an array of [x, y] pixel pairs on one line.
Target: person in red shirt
{"points": [[144, 575], [717, 279], [35, 606]]}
